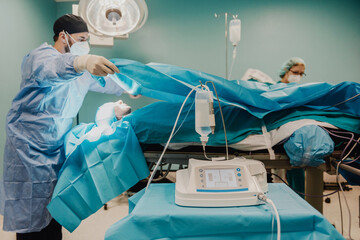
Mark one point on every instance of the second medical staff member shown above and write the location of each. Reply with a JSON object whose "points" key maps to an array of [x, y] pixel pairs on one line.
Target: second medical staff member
{"points": [[291, 72], [55, 80]]}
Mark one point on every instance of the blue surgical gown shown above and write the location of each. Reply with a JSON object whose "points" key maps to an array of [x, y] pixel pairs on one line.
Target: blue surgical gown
{"points": [[41, 114]]}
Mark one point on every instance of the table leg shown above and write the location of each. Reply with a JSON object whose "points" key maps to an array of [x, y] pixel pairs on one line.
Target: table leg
{"points": [[314, 185]]}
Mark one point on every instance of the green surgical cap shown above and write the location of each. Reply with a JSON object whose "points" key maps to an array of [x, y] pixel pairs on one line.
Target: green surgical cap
{"points": [[289, 63]]}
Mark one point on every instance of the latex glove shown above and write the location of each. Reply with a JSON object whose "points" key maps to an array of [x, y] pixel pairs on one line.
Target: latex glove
{"points": [[96, 65], [121, 109]]}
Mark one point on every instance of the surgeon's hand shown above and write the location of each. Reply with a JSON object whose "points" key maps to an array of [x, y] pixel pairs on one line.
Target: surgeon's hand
{"points": [[96, 65]]}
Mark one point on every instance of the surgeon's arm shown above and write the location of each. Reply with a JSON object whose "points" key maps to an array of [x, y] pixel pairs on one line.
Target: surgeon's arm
{"points": [[48, 68]]}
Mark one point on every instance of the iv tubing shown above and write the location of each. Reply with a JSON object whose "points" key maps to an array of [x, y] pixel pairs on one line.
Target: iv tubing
{"points": [[171, 135], [222, 118], [233, 62]]}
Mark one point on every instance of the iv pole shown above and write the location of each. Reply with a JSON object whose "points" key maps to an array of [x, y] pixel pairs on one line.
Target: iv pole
{"points": [[226, 46], [226, 43]]}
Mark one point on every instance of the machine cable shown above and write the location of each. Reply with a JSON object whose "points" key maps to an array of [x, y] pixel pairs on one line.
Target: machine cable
{"points": [[222, 118], [265, 199]]}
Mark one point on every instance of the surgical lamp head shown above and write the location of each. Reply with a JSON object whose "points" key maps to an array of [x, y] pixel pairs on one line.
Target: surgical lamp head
{"points": [[113, 18], [294, 61], [69, 23]]}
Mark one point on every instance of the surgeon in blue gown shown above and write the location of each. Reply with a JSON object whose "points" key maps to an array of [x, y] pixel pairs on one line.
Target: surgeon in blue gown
{"points": [[55, 80]]}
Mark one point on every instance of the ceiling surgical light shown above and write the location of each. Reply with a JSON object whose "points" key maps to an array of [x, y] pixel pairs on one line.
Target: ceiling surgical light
{"points": [[113, 18]]}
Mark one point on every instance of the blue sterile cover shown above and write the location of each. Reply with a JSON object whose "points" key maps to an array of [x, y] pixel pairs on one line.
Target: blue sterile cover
{"points": [[172, 84], [154, 215], [153, 124], [308, 146], [100, 165]]}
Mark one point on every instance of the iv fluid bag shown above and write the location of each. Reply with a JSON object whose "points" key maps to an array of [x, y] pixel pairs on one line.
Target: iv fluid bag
{"points": [[235, 31], [202, 112]]}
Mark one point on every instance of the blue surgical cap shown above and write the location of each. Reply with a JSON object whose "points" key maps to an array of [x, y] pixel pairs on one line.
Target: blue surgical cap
{"points": [[288, 65]]}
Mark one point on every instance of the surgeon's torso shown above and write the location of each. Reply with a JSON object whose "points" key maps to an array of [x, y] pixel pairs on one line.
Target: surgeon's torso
{"points": [[44, 108]]}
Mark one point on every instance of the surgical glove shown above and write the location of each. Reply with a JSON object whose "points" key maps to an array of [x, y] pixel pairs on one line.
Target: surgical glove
{"points": [[96, 65], [121, 109]]}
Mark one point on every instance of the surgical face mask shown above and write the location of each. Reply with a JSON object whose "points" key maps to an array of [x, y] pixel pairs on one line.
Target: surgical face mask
{"points": [[78, 48], [294, 78]]}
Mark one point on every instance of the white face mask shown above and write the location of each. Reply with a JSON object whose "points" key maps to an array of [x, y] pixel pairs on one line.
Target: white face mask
{"points": [[78, 48], [294, 78]]}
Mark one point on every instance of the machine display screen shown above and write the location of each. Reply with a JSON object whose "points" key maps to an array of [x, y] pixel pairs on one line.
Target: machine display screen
{"points": [[220, 178]]}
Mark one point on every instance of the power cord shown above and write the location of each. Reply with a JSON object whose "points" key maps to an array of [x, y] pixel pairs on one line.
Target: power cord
{"points": [[346, 203], [301, 193], [264, 198]]}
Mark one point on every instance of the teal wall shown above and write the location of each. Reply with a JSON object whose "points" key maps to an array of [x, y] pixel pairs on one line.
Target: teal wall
{"points": [[325, 33]]}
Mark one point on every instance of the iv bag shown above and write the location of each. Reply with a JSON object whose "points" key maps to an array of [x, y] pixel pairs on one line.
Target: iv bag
{"points": [[235, 31], [114, 17], [202, 112]]}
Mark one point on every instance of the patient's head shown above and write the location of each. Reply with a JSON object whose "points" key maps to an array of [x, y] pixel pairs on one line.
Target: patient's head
{"points": [[292, 70], [121, 109]]}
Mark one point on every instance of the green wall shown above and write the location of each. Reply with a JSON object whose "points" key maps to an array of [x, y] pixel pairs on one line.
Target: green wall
{"points": [[325, 33]]}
